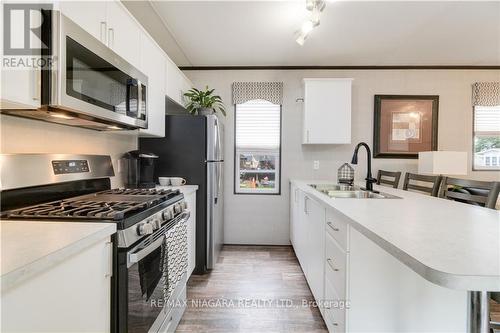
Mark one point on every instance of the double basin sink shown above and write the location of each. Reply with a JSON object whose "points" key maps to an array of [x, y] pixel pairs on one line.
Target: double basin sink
{"points": [[350, 192]]}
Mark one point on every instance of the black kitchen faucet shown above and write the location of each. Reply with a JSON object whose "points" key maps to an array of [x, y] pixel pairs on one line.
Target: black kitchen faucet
{"points": [[369, 179]]}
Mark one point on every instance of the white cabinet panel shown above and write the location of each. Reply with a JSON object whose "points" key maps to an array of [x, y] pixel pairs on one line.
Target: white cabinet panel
{"points": [[20, 87], [65, 297], [294, 218], [90, 15], [327, 111], [191, 204], [315, 246], [177, 83], [124, 35], [109, 22], [153, 65], [173, 81]]}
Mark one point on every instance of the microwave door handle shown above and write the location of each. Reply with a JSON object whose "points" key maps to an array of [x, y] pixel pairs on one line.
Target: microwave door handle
{"points": [[135, 257], [139, 100]]}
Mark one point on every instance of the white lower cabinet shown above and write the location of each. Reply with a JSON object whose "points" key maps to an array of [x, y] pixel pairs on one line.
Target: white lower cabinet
{"points": [[363, 287], [71, 296], [308, 233]]}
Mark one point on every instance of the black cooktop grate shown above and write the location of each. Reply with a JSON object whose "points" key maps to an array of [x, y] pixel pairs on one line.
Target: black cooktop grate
{"points": [[116, 205]]}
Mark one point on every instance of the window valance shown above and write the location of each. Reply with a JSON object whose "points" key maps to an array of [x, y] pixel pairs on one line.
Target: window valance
{"points": [[486, 94], [247, 91]]}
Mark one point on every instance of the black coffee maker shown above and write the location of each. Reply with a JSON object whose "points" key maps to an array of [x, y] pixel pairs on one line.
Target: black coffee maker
{"points": [[139, 169]]}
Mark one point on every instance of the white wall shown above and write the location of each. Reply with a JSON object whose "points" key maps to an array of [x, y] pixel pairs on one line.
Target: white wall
{"points": [[255, 219], [19, 135]]}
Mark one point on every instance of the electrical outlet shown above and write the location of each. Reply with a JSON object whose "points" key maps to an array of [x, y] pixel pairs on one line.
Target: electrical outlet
{"points": [[316, 165]]}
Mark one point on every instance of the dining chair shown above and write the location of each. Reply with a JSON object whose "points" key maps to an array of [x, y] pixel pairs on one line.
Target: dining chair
{"points": [[474, 192], [390, 178], [426, 184]]}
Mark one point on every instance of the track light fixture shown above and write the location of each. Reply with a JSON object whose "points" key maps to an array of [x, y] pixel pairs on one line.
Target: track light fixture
{"points": [[315, 7]]}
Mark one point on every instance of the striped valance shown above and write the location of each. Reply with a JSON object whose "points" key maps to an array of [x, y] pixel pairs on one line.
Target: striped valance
{"points": [[247, 91], [486, 94]]}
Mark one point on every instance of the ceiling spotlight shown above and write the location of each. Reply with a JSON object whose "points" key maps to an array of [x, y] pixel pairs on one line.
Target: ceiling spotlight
{"points": [[315, 7], [301, 38], [307, 27]]}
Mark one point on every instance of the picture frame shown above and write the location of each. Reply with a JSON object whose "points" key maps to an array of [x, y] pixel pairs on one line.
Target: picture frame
{"points": [[405, 125]]}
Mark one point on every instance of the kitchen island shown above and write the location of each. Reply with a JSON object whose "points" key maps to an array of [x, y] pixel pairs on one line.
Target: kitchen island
{"points": [[374, 247]]}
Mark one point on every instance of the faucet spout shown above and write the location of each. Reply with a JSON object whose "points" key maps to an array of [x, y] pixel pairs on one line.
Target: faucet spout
{"points": [[369, 179]]}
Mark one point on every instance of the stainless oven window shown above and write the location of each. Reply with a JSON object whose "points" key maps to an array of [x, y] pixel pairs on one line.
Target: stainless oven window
{"points": [[94, 80]]}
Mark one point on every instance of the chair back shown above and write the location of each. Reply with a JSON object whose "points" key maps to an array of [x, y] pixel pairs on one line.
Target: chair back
{"points": [[426, 184], [390, 178], [472, 192]]}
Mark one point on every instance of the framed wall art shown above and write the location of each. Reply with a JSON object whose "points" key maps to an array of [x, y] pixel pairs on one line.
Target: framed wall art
{"points": [[405, 125]]}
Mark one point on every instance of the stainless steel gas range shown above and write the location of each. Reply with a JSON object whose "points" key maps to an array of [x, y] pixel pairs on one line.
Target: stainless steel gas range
{"points": [[150, 246]]}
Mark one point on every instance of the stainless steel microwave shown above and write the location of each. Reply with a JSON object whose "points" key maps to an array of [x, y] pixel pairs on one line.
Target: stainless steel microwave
{"points": [[86, 84]]}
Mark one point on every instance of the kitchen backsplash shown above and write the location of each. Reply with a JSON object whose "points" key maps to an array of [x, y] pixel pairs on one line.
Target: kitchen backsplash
{"points": [[30, 136]]}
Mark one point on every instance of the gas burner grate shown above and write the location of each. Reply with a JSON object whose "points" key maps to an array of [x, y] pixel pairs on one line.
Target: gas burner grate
{"points": [[115, 205], [126, 191]]}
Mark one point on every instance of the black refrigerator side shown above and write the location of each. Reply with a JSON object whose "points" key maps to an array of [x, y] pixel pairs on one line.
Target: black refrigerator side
{"points": [[182, 153]]}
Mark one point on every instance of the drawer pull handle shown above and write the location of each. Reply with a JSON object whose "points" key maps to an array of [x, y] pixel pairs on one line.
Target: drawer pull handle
{"points": [[335, 324], [331, 226], [330, 263]]}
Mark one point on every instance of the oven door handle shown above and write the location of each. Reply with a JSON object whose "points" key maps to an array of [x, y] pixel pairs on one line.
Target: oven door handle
{"points": [[137, 256]]}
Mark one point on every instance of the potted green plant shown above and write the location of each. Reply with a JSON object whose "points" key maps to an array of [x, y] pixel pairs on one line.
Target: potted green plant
{"points": [[203, 102]]}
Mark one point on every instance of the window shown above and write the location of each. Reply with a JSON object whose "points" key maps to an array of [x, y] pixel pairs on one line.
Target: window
{"points": [[487, 138], [257, 147]]}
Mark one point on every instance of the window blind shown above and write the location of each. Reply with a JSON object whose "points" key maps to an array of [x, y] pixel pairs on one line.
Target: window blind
{"points": [[487, 120], [258, 125]]}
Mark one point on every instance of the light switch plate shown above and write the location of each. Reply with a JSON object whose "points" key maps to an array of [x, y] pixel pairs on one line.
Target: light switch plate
{"points": [[316, 165]]}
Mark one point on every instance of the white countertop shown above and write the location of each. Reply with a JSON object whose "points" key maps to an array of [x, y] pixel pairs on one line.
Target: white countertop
{"points": [[30, 247], [186, 189], [451, 244]]}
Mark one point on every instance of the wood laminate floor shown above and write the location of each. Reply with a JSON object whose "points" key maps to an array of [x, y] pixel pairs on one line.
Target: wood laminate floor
{"points": [[251, 289]]}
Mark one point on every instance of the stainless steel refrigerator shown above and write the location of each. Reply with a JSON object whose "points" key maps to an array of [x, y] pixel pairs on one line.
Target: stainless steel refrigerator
{"points": [[193, 149]]}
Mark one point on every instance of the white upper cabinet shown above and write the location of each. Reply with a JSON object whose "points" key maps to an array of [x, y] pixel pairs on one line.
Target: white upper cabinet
{"points": [[124, 34], [327, 111], [90, 15], [177, 83], [153, 65], [19, 87], [110, 22]]}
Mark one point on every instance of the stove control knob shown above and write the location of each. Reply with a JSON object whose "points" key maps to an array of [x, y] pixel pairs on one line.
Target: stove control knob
{"points": [[156, 223], [184, 205], [145, 228], [177, 208], [167, 214]]}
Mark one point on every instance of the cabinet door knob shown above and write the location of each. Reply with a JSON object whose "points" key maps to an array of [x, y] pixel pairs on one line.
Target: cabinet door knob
{"points": [[330, 224]]}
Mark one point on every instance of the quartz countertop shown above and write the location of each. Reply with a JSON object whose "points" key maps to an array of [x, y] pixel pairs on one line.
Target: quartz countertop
{"points": [[30, 247], [186, 189], [451, 244]]}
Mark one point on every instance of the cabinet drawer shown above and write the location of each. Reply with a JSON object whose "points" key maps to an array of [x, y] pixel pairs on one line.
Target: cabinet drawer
{"points": [[334, 315], [337, 227], [335, 266]]}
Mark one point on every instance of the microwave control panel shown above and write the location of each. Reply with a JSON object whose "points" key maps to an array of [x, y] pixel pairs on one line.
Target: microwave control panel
{"points": [[70, 166]]}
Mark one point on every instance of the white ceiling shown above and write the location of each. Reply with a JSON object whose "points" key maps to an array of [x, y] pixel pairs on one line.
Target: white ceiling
{"points": [[261, 33]]}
